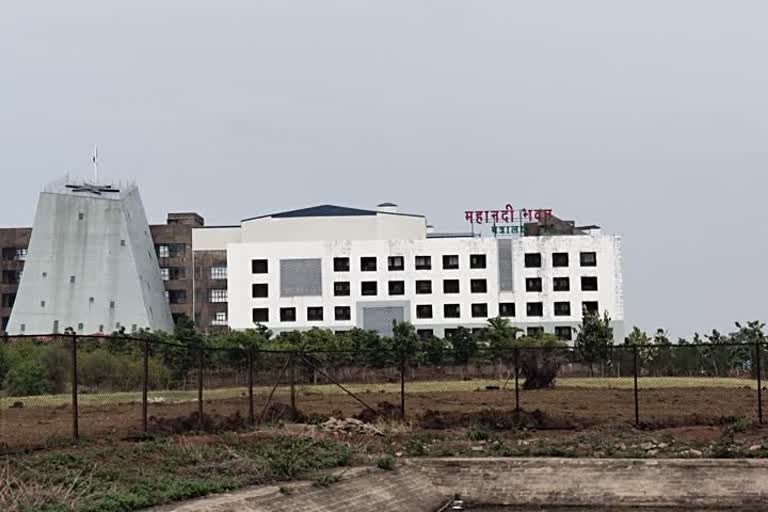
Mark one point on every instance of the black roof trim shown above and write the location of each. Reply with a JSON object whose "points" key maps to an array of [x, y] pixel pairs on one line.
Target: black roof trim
{"points": [[327, 210]]}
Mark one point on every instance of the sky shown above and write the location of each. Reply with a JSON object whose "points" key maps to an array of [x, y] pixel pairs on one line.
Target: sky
{"points": [[646, 117]]}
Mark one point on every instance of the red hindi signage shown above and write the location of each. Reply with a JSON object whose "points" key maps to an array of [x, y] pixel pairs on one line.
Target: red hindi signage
{"points": [[507, 215]]}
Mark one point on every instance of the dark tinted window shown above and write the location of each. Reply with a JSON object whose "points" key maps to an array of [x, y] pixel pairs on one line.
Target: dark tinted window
{"points": [[533, 284], [451, 262], [368, 288], [423, 287], [533, 260], [451, 286], [561, 284], [589, 283], [315, 313], [562, 308], [259, 290], [368, 264], [395, 263], [535, 309], [477, 261], [287, 314], [507, 309], [341, 264], [341, 288], [589, 259], [259, 266], [479, 310], [424, 311], [451, 311], [342, 313], [478, 286], [397, 287], [560, 259], [423, 262], [260, 315]]}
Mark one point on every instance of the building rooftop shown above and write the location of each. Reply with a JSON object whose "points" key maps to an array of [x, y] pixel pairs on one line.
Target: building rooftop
{"points": [[327, 210]]}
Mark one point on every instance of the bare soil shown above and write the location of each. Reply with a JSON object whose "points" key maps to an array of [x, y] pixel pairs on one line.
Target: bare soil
{"points": [[675, 410]]}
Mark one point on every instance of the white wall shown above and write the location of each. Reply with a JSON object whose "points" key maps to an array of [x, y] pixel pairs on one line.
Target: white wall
{"points": [[355, 227]]}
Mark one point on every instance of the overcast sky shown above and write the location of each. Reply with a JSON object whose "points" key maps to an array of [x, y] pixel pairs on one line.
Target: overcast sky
{"points": [[647, 117]]}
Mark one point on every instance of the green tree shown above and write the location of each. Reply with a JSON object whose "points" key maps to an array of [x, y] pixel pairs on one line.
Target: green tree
{"points": [[27, 378], [405, 342], [463, 346], [595, 339], [501, 337]]}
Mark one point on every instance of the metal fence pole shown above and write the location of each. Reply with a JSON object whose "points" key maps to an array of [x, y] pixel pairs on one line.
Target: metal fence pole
{"points": [[402, 386], [293, 383], [145, 389], [759, 369], [200, 370], [634, 371], [75, 424], [517, 380], [251, 415]]}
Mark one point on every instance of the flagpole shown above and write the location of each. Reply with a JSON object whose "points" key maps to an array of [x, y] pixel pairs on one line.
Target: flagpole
{"points": [[95, 165]]}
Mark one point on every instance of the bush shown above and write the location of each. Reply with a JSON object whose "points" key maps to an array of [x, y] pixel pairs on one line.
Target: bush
{"points": [[26, 379], [386, 463]]}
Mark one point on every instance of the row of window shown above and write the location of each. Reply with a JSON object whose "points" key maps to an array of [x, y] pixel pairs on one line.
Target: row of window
{"points": [[560, 259], [174, 273], [450, 262], [422, 287], [426, 311], [13, 253]]}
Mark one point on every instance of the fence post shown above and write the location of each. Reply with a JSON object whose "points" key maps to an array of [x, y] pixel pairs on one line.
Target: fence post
{"points": [[517, 381], [402, 386], [200, 370], [293, 383], [251, 416], [759, 369], [635, 371], [145, 389], [75, 424]]}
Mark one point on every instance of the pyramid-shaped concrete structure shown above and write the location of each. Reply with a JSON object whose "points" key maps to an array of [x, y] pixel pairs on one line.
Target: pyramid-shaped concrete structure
{"points": [[91, 264]]}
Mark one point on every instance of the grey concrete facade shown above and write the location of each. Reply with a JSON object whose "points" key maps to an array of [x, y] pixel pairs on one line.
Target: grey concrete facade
{"points": [[91, 266]]}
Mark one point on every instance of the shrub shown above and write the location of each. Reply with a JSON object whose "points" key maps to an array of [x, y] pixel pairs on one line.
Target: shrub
{"points": [[387, 463], [26, 379]]}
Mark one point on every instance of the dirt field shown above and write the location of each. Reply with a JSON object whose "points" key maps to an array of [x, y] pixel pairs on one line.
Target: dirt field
{"points": [[34, 425]]}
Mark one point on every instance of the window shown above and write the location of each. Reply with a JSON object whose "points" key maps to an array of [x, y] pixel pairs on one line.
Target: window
{"points": [[11, 276], [425, 334], [218, 272], [478, 286], [560, 259], [506, 309], [589, 283], [71, 279], [477, 261], [21, 253], [368, 288], [315, 314], [533, 284], [180, 296], [80, 216], [395, 263], [220, 318], [397, 287], [112, 303], [217, 295], [589, 259], [423, 262], [260, 315], [535, 309], [424, 311], [259, 267], [287, 314], [165, 273], [533, 260], [479, 310], [564, 333], [451, 333], [450, 262], [341, 264], [170, 250], [175, 273], [368, 264], [423, 287], [342, 313], [561, 284], [535, 332], [590, 307], [562, 309], [42, 303], [7, 300], [259, 290], [122, 243], [450, 286], [451, 311], [341, 288]]}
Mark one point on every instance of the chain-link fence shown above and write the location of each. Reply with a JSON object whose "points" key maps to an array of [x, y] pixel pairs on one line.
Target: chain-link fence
{"points": [[61, 387]]}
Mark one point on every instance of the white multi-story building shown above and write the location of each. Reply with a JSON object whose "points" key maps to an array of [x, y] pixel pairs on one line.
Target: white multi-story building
{"points": [[339, 268]]}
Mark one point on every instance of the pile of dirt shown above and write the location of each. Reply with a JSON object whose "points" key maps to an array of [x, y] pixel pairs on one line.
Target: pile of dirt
{"points": [[384, 410], [494, 419], [193, 423], [278, 412]]}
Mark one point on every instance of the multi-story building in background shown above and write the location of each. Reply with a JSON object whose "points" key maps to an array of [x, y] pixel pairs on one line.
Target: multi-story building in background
{"points": [[338, 268]]}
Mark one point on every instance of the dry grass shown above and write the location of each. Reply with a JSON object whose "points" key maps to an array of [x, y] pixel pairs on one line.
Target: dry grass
{"points": [[19, 495]]}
